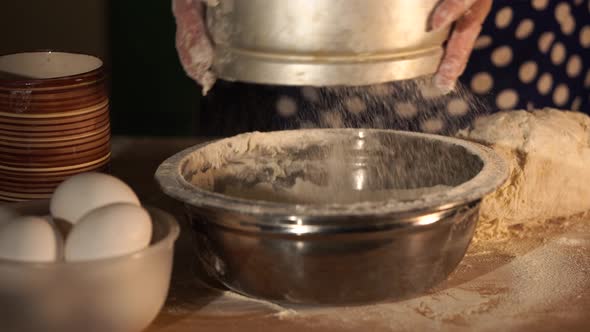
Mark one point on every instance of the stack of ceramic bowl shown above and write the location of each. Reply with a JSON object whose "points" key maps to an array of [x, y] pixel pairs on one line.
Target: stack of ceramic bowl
{"points": [[54, 121]]}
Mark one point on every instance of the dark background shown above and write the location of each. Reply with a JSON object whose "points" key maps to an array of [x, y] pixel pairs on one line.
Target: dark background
{"points": [[150, 93]]}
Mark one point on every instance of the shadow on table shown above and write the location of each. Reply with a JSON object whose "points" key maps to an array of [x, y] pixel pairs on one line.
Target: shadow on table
{"points": [[191, 288]]}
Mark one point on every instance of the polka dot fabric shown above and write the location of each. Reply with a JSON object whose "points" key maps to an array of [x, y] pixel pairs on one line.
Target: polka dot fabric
{"points": [[533, 54], [530, 54]]}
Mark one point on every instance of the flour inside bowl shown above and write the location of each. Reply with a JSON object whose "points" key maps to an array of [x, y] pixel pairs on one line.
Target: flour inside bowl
{"points": [[322, 167], [306, 192]]}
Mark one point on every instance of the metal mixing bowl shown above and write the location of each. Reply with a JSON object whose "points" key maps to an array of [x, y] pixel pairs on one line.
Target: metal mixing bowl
{"points": [[328, 248], [324, 42]]}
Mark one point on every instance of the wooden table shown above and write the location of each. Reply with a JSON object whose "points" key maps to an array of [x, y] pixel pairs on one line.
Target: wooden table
{"points": [[536, 282]]}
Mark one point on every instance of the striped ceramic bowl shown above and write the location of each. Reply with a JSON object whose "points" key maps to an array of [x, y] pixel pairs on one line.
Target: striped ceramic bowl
{"points": [[54, 121]]}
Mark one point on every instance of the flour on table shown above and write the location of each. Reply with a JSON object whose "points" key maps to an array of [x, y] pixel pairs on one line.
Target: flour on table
{"points": [[540, 277]]}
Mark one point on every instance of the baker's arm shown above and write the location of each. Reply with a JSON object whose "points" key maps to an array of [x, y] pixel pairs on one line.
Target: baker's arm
{"points": [[194, 47]]}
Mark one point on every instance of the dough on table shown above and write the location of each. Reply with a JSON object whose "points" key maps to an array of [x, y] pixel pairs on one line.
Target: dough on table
{"points": [[549, 155]]}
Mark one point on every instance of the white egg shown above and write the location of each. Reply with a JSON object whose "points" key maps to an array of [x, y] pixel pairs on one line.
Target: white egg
{"points": [[109, 231], [7, 214], [29, 239], [85, 192]]}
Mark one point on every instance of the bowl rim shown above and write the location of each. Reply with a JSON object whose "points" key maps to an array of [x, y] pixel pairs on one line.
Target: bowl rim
{"points": [[492, 175], [41, 82], [158, 216]]}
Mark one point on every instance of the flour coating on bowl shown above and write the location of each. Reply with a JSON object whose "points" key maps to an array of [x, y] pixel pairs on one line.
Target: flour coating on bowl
{"points": [[324, 169]]}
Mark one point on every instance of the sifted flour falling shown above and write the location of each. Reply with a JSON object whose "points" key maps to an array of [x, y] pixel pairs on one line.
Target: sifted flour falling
{"points": [[377, 169], [414, 105]]}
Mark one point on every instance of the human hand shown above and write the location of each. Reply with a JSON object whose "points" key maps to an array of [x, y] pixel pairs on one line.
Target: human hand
{"points": [[468, 16], [193, 45]]}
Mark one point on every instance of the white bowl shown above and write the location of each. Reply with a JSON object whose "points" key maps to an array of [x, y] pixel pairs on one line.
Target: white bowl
{"points": [[123, 293]]}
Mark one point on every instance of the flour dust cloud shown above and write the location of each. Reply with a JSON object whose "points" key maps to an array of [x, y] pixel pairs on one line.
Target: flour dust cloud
{"points": [[412, 105]]}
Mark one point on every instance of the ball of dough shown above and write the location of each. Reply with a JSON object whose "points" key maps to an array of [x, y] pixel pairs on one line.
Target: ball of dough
{"points": [[549, 155]]}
